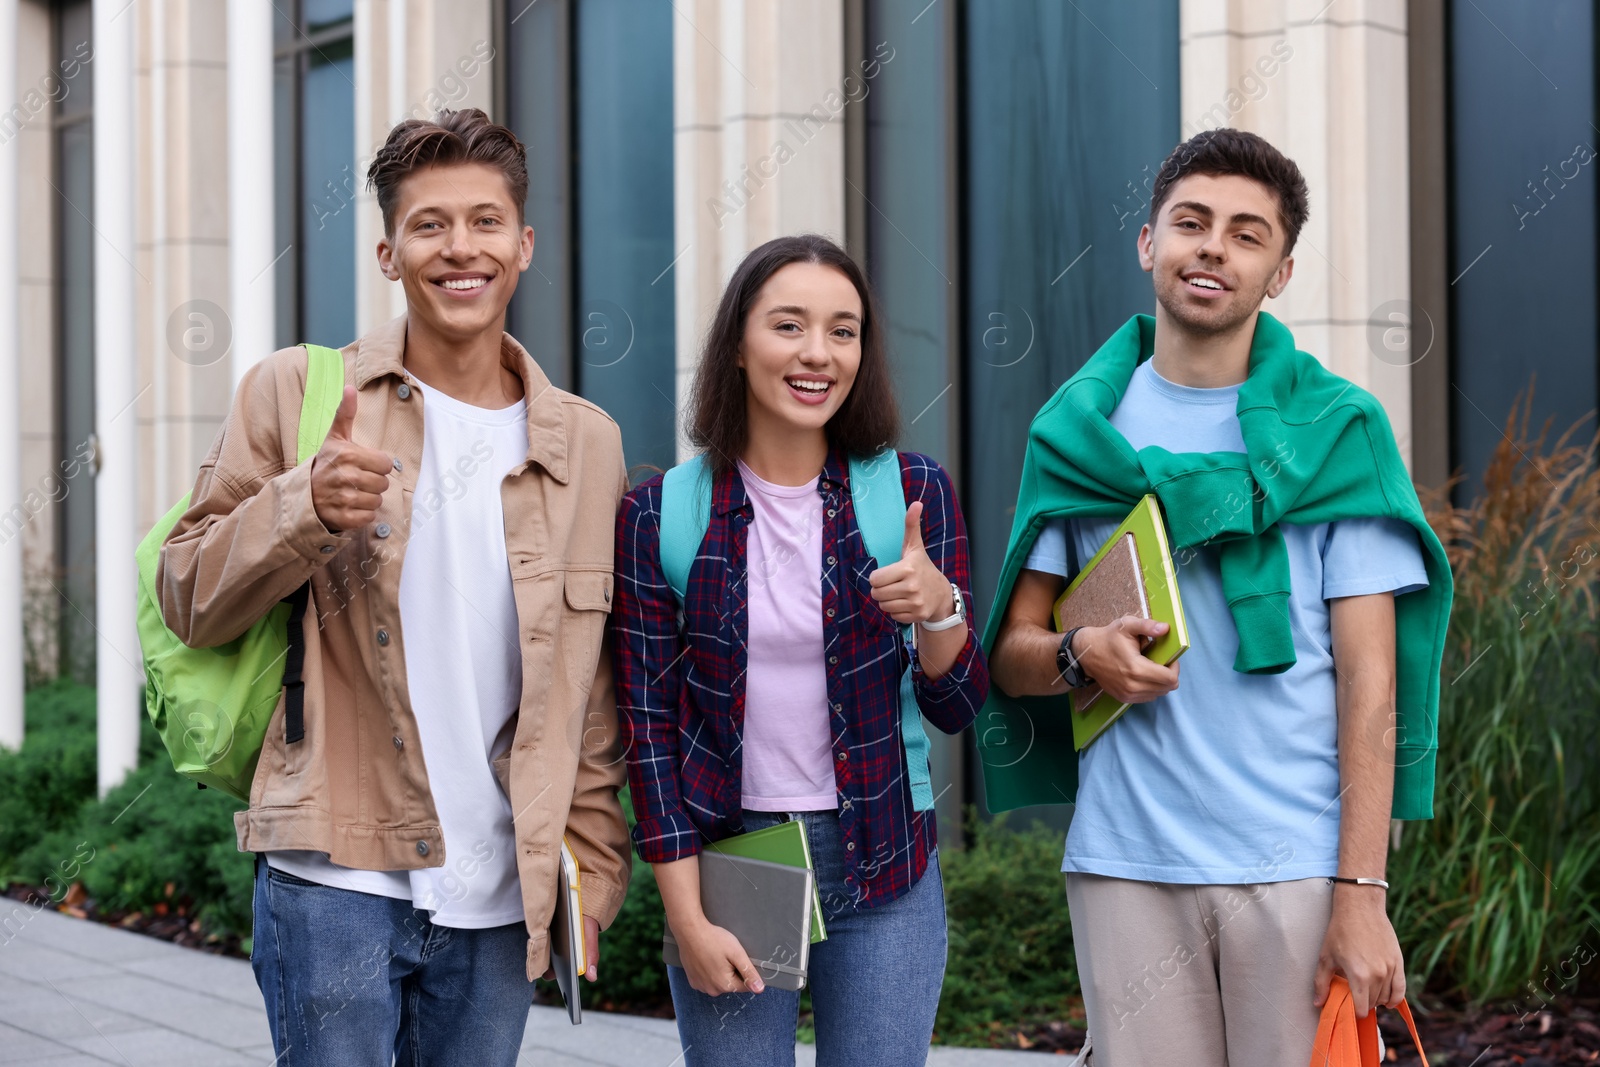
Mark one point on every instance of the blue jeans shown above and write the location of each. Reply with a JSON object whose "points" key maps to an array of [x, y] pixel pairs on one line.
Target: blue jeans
{"points": [[352, 979], [874, 982]]}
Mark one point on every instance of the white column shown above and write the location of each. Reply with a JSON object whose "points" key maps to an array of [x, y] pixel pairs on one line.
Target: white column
{"points": [[1326, 84], [117, 674], [252, 295], [11, 679], [758, 142]]}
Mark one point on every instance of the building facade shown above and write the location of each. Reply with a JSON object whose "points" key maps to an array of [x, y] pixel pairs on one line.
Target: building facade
{"points": [[189, 195]]}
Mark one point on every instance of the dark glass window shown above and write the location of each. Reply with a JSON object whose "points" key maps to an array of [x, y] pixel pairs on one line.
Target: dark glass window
{"points": [[1065, 123], [74, 329], [1009, 150], [589, 91], [315, 185], [1522, 219]]}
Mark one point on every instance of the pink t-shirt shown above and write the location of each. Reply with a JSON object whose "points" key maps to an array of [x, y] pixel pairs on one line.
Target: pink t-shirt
{"points": [[788, 746]]}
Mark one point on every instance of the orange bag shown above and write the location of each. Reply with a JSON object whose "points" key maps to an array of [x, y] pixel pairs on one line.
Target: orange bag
{"points": [[1346, 1041]]}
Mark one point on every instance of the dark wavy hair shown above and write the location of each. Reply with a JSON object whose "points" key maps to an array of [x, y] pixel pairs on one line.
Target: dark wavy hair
{"points": [[867, 421], [1229, 151], [465, 136]]}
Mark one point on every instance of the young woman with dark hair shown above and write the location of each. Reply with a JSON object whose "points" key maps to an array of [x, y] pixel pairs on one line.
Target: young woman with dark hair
{"points": [[775, 695]]}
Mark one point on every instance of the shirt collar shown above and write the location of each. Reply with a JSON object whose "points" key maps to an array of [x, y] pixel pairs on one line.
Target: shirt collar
{"points": [[382, 351]]}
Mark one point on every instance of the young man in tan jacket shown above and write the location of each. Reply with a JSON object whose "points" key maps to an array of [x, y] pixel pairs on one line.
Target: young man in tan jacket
{"points": [[459, 720]]}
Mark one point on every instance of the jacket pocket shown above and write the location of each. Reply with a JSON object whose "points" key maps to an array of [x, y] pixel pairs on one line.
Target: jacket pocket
{"points": [[588, 596]]}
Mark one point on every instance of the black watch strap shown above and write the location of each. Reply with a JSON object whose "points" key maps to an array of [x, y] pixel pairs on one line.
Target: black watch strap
{"points": [[1067, 664]]}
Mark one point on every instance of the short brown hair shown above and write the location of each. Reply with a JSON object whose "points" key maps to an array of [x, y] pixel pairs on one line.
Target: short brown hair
{"points": [[465, 136], [1229, 151], [865, 423]]}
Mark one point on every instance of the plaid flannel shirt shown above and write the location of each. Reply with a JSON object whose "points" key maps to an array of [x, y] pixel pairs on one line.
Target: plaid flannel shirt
{"points": [[680, 693]]}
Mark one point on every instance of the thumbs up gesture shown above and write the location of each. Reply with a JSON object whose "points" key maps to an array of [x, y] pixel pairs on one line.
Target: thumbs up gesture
{"points": [[912, 590], [347, 479]]}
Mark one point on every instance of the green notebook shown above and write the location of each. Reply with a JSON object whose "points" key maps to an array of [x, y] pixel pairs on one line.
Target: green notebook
{"points": [[1132, 574], [784, 843]]}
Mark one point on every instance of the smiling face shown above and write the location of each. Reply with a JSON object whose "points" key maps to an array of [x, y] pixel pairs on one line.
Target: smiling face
{"points": [[801, 347], [1215, 251], [458, 248]]}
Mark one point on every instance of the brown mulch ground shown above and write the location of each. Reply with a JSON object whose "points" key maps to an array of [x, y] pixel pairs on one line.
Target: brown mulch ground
{"points": [[1563, 1031]]}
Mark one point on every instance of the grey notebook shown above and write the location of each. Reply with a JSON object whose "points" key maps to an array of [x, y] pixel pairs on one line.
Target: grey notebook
{"points": [[767, 906]]}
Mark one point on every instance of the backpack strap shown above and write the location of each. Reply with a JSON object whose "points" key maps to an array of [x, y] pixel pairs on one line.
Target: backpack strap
{"points": [[878, 497], [324, 393], [685, 517]]}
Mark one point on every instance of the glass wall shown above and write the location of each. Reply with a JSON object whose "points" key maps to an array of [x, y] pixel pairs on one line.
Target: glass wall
{"points": [[1066, 122], [74, 329], [316, 183], [589, 91], [1522, 220], [1009, 153]]}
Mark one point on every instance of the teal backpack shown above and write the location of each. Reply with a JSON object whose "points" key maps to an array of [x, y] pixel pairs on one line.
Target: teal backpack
{"points": [[211, 706], [880, 508]]}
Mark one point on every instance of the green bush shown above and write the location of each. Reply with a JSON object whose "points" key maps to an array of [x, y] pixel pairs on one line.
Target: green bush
{"points": [[1504, 882], [43, 786], [1011, 964], [154, 839]]}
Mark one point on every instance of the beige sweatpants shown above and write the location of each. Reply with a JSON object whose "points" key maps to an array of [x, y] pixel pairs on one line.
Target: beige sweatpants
{"points": [[1202, 975]]}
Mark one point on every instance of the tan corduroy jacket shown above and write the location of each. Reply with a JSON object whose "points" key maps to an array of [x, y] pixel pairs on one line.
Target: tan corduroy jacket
{"points": [[356, 786]]}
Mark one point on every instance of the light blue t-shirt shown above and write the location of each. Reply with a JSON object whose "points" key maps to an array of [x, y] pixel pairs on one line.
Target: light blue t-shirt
{"points": [[1231, 778]]}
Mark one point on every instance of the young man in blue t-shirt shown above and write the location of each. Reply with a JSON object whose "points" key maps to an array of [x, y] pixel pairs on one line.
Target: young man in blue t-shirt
{"points": [[1213, 818]]}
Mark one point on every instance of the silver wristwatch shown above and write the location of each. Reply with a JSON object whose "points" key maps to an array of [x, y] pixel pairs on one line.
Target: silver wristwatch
{"points": [[957, 619]]}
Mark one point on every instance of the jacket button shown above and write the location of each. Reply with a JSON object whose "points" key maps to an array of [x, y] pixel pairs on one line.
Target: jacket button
{"points": [[832, 660], [849, 846], [404, 392], [829, 613], [382, 529], [383, 637], [830, 513], [845, 806], [843, 756], [397, 465], [839, 708], [422, 848], [397, 741], [831, 561]]}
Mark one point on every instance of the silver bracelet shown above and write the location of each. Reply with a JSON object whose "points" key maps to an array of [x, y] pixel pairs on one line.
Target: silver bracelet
{"points": [[1379, 882]]}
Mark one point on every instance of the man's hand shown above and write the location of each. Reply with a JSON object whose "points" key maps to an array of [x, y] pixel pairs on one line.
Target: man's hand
{"points": [[347, 479], [913, 590], [1114, 657], [1361, 946], [591, 947], [591, 950]]}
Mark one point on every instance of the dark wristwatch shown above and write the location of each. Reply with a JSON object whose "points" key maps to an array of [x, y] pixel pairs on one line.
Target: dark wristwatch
{"points": [[1067, 664]]}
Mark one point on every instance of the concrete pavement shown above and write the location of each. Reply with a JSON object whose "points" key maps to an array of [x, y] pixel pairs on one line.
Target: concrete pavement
{"points": [[75, 993]]}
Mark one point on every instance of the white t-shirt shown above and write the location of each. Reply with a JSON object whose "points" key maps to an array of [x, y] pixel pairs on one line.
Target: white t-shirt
{"points": [[463, 667], [788, 743], [1230, 778]]}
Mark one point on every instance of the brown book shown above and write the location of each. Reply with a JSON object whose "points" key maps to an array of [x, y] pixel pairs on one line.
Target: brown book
{"points": [[1114, 587], [1132, 574]]}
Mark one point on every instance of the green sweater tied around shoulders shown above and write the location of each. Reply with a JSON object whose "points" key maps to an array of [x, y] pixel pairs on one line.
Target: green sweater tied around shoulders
{"points": [[1317, 449]]}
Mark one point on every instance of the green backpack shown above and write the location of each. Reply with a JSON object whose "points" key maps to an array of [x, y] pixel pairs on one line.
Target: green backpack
{"points": [[211, 706], [880, 508]]}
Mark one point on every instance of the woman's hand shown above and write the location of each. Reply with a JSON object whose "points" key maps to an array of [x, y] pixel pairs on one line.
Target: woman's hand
{"points": [[715, 962], [913, 590]]}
